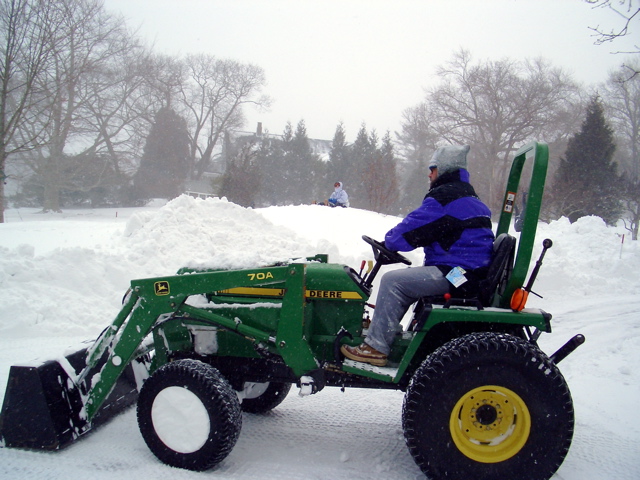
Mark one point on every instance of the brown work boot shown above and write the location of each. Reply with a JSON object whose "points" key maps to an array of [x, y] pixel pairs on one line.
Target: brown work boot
{"points": [[364, 353]]}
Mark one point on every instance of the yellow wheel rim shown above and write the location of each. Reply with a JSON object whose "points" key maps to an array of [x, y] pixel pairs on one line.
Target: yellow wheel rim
{"points": [[490, 424]]}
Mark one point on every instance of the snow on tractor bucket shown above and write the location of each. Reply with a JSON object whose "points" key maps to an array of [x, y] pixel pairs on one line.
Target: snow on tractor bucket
{"points": [[44, 405]]}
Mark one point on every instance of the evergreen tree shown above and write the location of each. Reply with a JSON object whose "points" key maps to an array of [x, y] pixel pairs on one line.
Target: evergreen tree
{"points": [[288, 168], [301, 163], [379, 176], [269, 163], [291, 172], [338, 165], [273, 161], [307, 170], [362, 151], [381, 179], [164, 164], [587, 182], [241, 181]]}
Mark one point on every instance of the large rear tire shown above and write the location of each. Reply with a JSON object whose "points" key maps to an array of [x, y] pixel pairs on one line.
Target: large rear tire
{"points": [[188, 415], [488, 406]]}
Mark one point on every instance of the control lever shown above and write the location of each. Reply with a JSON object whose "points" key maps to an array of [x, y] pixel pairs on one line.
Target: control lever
{"points": [[520, 296]]}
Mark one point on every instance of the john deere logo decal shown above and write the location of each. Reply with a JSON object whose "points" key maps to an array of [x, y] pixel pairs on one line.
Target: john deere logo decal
{"points": [[161, 288]]}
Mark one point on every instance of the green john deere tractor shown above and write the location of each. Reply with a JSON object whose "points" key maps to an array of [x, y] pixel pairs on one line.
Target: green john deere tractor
{"points": [[482, 400]]}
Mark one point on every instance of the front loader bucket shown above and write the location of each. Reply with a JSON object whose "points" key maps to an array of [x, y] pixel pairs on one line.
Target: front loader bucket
{"points": [[44, 407]]}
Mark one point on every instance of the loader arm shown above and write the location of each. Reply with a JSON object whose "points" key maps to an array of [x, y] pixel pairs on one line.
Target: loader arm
{"points": [[156, 300]]}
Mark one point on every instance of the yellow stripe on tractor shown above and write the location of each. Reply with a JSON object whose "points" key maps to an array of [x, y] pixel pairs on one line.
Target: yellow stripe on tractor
{"points": [[279, 292], [254, 291]]}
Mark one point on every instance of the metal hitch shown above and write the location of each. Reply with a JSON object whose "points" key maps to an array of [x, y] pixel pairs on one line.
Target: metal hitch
{"points": [[567, 348]]}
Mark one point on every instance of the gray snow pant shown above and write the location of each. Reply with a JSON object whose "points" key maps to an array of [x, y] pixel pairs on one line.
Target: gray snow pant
{"points": [[398, 290]]}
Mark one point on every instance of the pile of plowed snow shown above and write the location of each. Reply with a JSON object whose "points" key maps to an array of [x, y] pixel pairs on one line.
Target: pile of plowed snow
{"points": [[49, 285]]}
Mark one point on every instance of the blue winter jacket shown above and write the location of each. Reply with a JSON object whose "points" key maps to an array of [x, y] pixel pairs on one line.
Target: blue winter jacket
{"points": [[452, 225]]}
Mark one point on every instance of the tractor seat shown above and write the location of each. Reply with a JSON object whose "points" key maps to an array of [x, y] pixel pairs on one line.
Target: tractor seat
{"points": [[500, 268], [495, 282]]}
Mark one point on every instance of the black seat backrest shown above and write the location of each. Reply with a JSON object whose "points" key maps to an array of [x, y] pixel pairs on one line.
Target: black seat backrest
{"points": [[498, 274], [500, 268]]}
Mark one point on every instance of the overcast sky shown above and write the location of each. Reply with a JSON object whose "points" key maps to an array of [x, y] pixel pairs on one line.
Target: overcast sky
{"points": [[356, 61]]}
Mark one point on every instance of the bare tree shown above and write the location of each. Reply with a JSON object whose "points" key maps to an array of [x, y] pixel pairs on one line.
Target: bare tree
{"points": [[120, 107], [78, 91], [622, 104], [628, 11], [497, 106], [417, 141], [214, 94], [166, 79], [25, 52], [417, 136], [86, 84], [621, 96]]}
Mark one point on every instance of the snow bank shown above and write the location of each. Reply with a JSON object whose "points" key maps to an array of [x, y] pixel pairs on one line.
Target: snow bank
{"points": [[587, 259], [77, 290]]}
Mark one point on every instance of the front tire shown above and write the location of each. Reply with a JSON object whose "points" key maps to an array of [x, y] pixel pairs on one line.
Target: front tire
{"points": [[188, 415], [488, 406]]}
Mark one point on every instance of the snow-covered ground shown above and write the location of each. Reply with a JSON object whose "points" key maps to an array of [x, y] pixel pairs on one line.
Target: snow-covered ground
{"points": [[62, 277]]}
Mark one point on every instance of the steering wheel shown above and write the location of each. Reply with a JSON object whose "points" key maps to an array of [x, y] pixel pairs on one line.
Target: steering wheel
{"points": [[383, 255]]}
